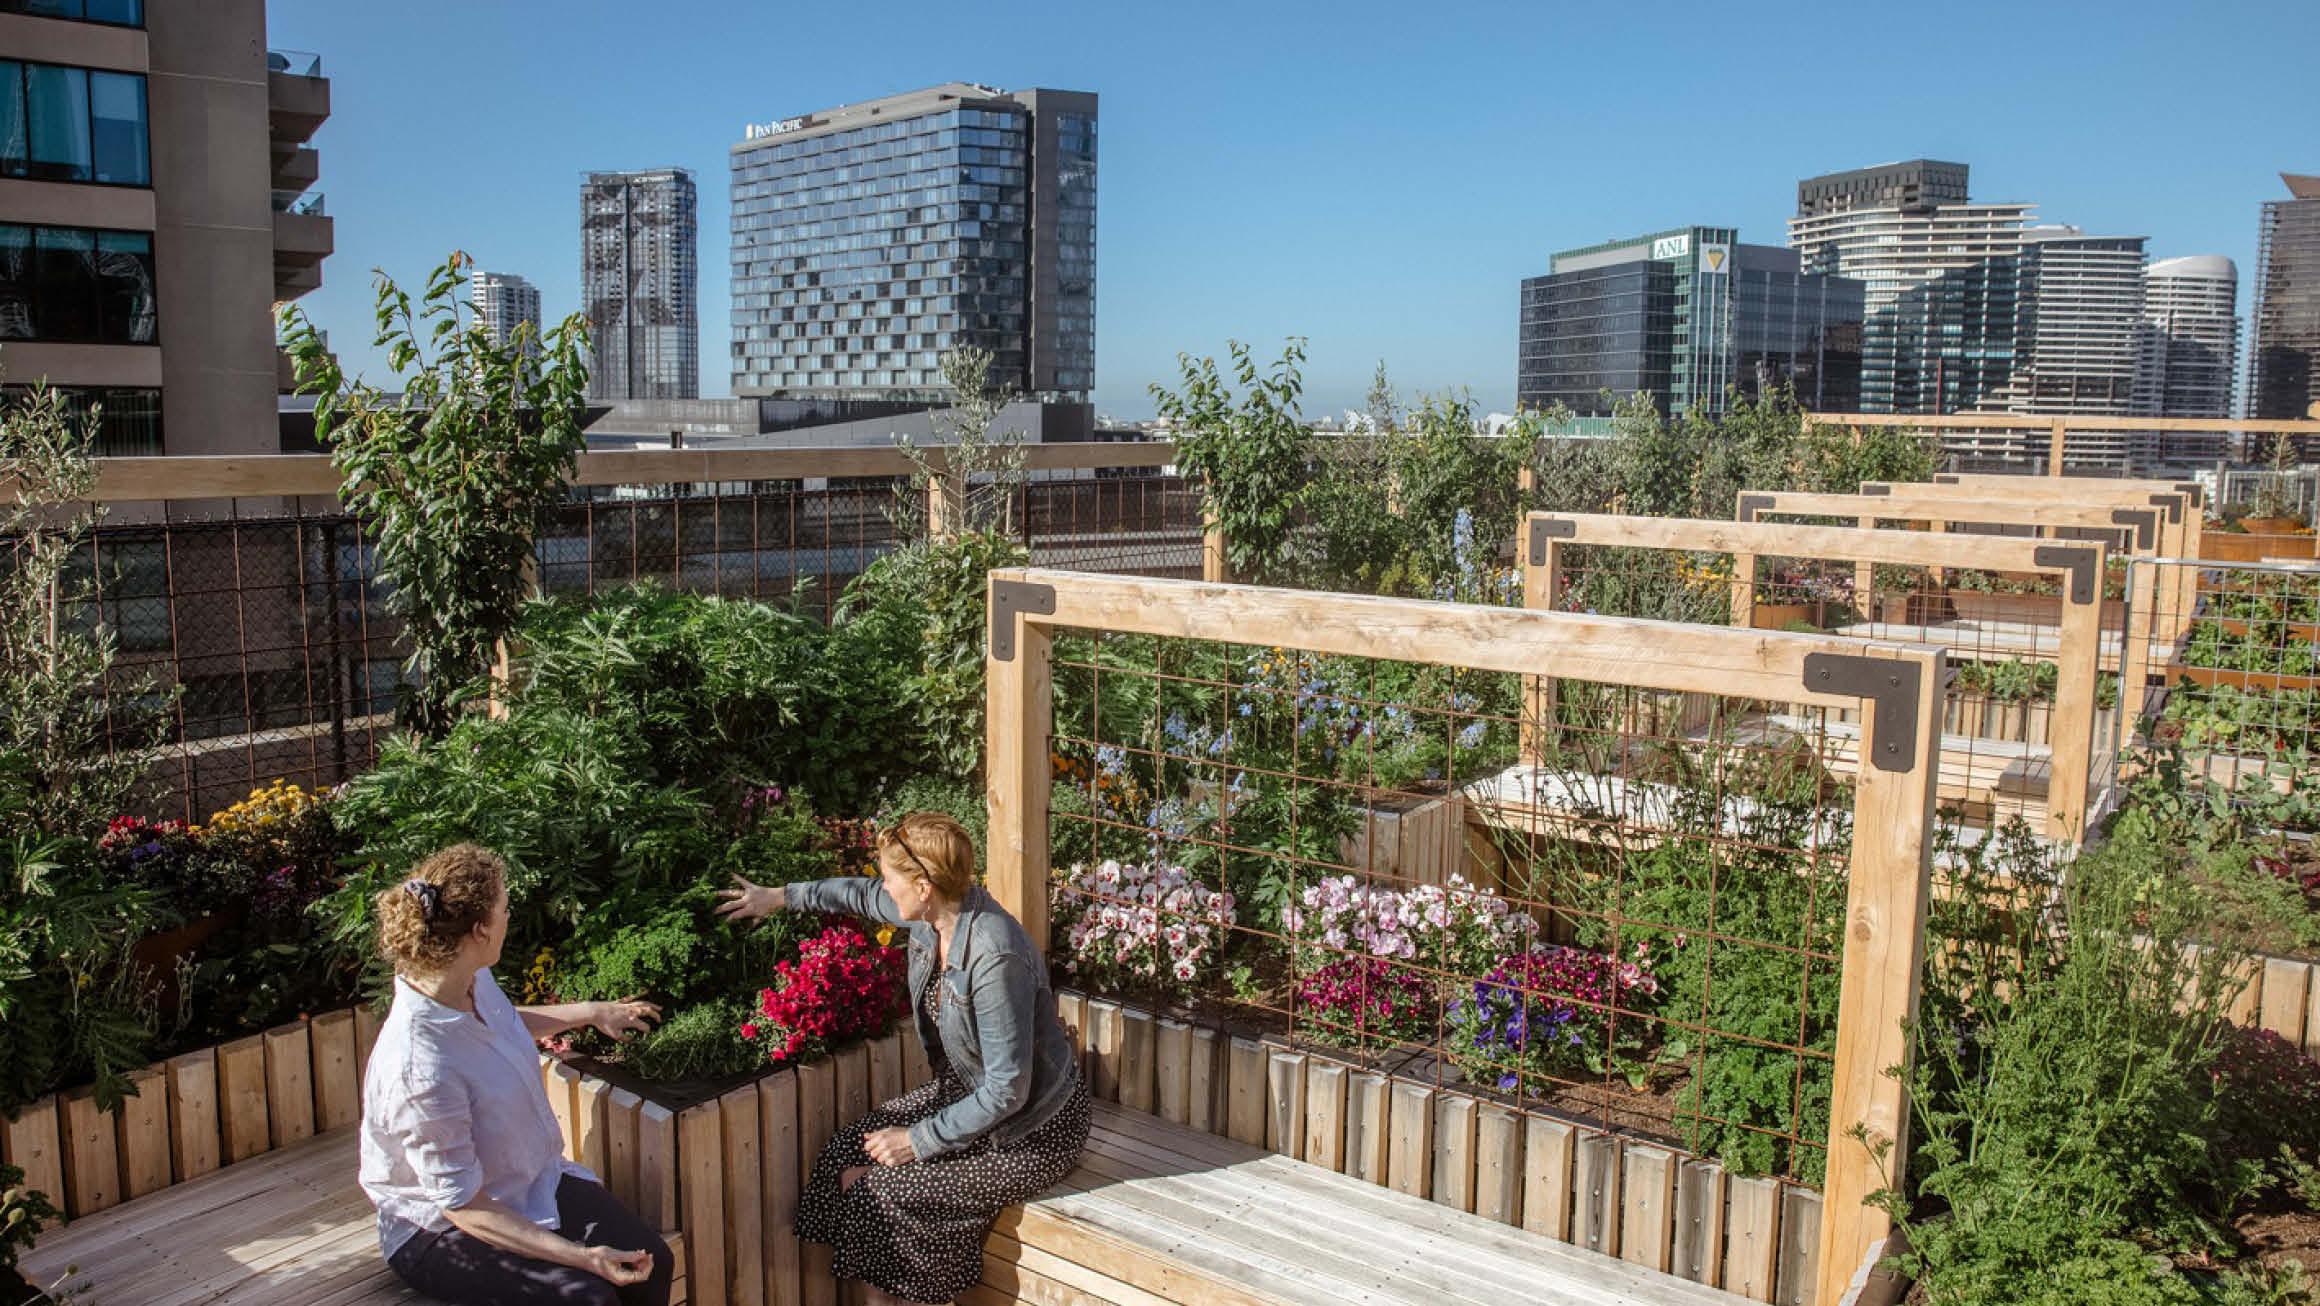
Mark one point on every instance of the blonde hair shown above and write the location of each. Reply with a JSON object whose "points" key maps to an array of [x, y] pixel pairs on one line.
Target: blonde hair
{"points": [[424, 917], [932, 846]]}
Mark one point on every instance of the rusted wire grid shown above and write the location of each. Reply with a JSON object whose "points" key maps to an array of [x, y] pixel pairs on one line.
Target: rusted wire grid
{"points": [[1139, 525], [1297, 957], [2241, 705]]}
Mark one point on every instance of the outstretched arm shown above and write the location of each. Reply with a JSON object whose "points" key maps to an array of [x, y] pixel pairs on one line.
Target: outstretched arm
{"points": [[851, 895], [614, 1020]]}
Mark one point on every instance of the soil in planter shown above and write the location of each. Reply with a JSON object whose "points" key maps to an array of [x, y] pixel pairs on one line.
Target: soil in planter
{"points": [[2278, 1231]]}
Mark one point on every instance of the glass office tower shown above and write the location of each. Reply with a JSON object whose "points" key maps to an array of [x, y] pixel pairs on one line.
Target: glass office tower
{"points": [[870, 240]]}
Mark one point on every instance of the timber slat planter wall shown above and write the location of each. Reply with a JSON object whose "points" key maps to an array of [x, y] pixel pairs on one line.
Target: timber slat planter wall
{"points": [[1426, 1141], [1630, 1198]]}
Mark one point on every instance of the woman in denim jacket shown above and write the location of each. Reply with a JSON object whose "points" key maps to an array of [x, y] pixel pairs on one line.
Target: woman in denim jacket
{"points": [[905, 1195]]}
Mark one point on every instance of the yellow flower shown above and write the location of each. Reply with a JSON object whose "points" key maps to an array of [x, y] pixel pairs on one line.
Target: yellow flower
{"points": [[885, 935]]}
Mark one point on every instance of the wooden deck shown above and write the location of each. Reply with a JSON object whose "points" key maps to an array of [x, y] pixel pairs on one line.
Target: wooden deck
{"points": [[1160, 1213], [1155, 1213], [290, 1228]]}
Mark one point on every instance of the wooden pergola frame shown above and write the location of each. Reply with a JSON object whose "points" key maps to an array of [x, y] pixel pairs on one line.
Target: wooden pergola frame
{"points": [[2136, 530], [1898, 688], [2076, 566], [2183, 501]]}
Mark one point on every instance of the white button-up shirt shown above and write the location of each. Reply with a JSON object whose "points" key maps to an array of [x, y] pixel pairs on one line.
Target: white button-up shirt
{"points": [[453, 1107]]}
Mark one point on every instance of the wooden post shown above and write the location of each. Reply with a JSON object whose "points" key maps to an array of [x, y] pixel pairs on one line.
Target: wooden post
{"points": [[1744, 581], [1172, 1066], [1647, 1207], [1324, 1140], [743, 1163], [1699, 1223], [1454, 1137], [620, 1174], [366, 1035], [337, 1075], [886, 1068], [92, 1155], [1104, 1033], [241, 1071], [142, 1134], [1021, 707], [1246, 1090], [289, 1084], [2070, 730], [1368, 1127], [32, 1144], [1215, 560], [1204, 1082], [853, 1066], [562, 1083], [1410, 1155], [777, 1128], [1803, 1253], [1753, 1245], [1285, 1102], [700, 1149], [1542, 586], [1597, 1219], [592, 1121], [656, 1166], [1498, 1165], [194, 1133], [2055, 441], [1549, 1150], [2282, 1003], [1136, 1082], [817, 1106], [1889, 884]]}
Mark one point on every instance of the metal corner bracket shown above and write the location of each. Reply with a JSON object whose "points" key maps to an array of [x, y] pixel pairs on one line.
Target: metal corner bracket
{"points": [[2144, 520], [1752, 504], [1009, 597], [1876, 488], [2081, 562], [2173, 503], [1889, 683], [1544, 529]]}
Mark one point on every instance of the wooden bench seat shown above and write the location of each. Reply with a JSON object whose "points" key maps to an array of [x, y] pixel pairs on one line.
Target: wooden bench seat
{"points": [[1161, 1213], [290, 1228]]}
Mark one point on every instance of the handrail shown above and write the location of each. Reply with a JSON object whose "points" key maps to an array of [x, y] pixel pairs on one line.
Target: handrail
{"points": [[237, 476], [2022, 422]]}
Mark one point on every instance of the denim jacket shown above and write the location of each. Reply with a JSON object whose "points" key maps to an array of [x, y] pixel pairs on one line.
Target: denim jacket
{"points": [[997, 1022]]}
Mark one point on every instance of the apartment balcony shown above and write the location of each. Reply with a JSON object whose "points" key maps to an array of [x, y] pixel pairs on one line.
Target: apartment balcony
{"points": [[297, 95], [303, 237], [296, 167]]}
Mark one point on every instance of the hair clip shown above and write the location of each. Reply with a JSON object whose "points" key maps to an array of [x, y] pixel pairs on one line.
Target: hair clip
{"points": [[430, 898]]}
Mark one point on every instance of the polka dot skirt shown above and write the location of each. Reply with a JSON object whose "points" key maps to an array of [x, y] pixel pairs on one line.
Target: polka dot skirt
{"points": [[917, 1230]]}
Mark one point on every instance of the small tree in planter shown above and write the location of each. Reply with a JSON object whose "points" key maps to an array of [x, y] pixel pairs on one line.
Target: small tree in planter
{"points": [[1249, 451], [453, 474]]}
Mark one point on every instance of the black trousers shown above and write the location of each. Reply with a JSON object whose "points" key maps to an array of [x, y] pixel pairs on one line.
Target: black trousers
{"points": [[462, 1270]]}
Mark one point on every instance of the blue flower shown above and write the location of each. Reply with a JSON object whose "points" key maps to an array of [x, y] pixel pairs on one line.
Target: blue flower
{"points": [[1471, 736], [1244, 707], [1506, 1082]]}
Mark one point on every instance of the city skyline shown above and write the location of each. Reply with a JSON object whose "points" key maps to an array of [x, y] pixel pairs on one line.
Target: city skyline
{"points": [[1382, 197]]}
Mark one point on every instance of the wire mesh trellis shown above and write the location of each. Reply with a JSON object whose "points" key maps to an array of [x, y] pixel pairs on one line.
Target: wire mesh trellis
{"points": [[260, 647], [1638, 927], [2240, 701]]}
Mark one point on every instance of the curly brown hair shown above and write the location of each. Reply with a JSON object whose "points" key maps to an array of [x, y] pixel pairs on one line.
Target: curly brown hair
{"points": [[932, 846], [463, 880]]}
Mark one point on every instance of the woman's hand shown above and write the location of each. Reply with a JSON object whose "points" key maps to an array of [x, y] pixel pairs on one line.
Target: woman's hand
{"points": [[618, 1020], [890, 1147], [749, 902], [615, 1266]]}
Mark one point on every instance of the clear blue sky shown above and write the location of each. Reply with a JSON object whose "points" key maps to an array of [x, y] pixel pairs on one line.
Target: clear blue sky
{"points": [[1376, 177]]}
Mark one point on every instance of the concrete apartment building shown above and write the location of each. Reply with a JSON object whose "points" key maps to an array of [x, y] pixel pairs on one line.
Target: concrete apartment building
{"points": [[640, 283], [2189, 351], [503, 302], [1942, 275], [2081, 324], [2284, 332], [155, 204], [869, 240]]}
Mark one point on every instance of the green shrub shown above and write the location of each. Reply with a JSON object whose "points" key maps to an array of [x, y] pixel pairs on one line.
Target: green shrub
{"points": [[699, 1041], [922, 608]]}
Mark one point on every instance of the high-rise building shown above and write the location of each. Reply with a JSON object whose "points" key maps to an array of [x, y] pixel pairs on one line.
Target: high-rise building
{"points": [[2189, 350], [504, 302], [2080, 322], [1941, 276], [155, 204], [871, 239], [1917, 185], [640, 283], [1685, 316], [2284, 338]]}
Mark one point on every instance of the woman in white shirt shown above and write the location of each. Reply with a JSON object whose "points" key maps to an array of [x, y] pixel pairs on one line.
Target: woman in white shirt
{"points": [[460, 1152]]}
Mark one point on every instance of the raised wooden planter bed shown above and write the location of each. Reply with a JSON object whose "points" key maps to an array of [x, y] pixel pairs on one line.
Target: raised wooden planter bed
{"points": [[2231, 546], [2283, 631], [2245, 679], [2023, 609]]}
